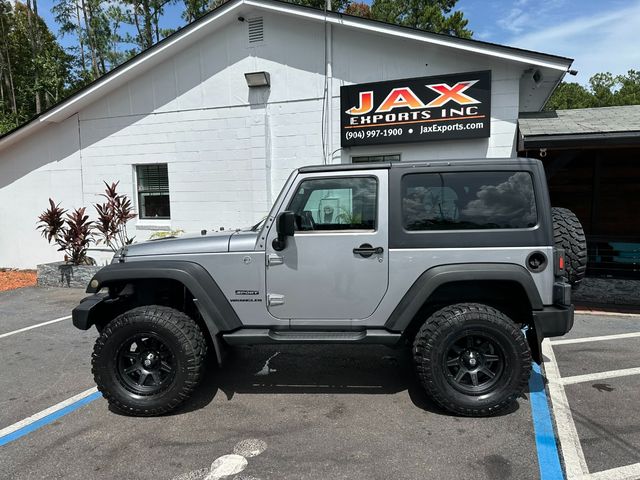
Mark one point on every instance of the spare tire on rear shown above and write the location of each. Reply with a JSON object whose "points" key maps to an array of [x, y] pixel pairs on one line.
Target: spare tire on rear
{"points": [[569, 235]]}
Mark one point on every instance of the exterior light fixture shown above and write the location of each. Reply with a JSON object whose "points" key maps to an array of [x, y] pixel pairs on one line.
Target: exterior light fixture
{"points": [[257, 79]]}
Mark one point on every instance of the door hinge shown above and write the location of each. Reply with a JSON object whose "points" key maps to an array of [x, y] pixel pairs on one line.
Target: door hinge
{"points": [[274, 259], [275, 299]]}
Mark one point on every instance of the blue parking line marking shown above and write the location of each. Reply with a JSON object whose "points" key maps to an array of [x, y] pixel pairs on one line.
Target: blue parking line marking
{"points": [[546, 445], [10, 437]]}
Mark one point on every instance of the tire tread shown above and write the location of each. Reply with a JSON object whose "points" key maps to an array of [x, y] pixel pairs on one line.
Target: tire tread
{"points": [[447, 317], [568, 234], [185, 329]]}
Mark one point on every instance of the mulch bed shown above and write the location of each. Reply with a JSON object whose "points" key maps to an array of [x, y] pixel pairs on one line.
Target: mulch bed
{"points": [[12, 279]]}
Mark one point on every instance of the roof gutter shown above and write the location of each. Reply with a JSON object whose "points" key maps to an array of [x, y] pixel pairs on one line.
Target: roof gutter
{"points": [[115, 78], [579, 140], [121, 74], [55, 114]]}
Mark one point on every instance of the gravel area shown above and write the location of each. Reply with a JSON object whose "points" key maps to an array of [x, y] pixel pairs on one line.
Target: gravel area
{"points": [[12, 279]]}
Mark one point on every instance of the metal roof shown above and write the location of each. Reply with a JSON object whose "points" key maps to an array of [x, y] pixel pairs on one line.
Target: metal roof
{"points": [[580, 127]]}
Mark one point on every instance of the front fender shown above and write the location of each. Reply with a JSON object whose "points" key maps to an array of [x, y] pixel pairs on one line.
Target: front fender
{"points": [[214, 307]]}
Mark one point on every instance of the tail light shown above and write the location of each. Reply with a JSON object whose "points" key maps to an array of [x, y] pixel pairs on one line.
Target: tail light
{"points": [[558, 263]]}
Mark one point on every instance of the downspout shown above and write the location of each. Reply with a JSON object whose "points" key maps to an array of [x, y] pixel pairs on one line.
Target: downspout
{"points": [[267, 154], [329, 82]]}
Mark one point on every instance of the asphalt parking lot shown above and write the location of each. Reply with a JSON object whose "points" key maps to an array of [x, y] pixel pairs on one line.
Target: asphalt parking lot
{"points": [[594, 385], [305, 412]]}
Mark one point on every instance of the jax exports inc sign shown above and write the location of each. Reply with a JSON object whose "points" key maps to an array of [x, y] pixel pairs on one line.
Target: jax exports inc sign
{"points": [[445, 107]]}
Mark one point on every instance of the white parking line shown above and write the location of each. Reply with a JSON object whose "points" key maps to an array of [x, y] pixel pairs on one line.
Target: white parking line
{"points": [[604, 313], [46, 416], [574, 461], [61, 319], [590, 377], [602, 338], [628, 472]]}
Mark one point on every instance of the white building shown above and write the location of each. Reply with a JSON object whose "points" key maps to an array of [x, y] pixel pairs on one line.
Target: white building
{"points": [[181, 115]]}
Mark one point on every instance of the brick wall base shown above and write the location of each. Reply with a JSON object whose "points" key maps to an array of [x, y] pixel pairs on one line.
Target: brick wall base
{"points": [[60, 274]]}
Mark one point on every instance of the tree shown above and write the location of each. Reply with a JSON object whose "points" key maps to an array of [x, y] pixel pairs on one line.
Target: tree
{"points": [[629, 92], [194, 9], [336, 5], [67, 16], [40, 75], [90, 22], [602, 85], [604, 90], [431, 15], [359, 9], [33, 67], [8, 105], [144, 16], [34, 40], [570, 95]]}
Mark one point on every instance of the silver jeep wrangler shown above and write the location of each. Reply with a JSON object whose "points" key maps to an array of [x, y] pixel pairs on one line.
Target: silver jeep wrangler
{"points": [[465, 261]]}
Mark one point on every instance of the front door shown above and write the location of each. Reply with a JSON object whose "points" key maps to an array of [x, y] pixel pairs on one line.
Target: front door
{"points": [[336, 265]]}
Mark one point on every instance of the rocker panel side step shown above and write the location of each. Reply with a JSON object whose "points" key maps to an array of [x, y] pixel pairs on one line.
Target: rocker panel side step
{"points": [[258, 336]]}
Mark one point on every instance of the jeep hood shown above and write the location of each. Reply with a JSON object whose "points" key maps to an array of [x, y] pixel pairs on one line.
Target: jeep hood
{"points": [[214, 242]]}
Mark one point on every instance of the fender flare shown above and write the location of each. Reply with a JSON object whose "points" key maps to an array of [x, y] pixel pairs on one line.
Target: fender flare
{"points": [[431, 279], [214, 307]]}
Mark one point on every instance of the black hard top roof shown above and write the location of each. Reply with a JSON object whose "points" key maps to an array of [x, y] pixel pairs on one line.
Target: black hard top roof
{"points": [[345, 167]]}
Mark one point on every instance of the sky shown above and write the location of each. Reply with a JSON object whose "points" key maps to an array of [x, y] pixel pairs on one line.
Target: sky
{"points": [[600, 35]]}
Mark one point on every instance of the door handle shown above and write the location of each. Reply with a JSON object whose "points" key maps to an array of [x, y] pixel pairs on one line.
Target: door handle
{"points": [[365, 250], [273, 259], [275, 299]]}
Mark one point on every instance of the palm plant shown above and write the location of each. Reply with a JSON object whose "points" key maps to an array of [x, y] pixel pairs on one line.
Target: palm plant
{"points": [[73, 234], [113, 216]]}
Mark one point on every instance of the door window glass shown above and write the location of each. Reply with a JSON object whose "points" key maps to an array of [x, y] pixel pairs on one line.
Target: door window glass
{"points": [[468, 200], [336, 204]]}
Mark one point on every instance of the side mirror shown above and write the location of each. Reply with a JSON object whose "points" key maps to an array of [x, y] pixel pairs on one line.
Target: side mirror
{"points": [[286, 227]]}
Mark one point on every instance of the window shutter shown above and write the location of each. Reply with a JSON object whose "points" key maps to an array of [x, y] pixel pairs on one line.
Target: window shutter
{"points": [[153, 178]]}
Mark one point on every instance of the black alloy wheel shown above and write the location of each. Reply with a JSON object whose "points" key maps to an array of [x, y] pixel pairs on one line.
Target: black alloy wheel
{"points": [[146, 365], [473, 363]]}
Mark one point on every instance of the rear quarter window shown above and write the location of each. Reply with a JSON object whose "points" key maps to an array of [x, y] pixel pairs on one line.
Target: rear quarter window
{"points": [[468, 200]]}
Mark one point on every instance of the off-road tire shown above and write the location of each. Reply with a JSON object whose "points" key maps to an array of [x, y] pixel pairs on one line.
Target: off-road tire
{"points": [[432, 344], [569, 235], [183, 338]]}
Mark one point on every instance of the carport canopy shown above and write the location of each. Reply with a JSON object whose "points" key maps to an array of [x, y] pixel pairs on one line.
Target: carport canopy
{"points": [[590, 156], [580, 128]]}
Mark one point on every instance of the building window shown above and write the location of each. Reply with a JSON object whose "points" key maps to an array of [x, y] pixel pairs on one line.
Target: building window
{"points": [[153, 191], [376, 158]]}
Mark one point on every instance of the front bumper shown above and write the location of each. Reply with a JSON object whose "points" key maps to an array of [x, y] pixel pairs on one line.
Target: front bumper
{"points": [[84, 315]]}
